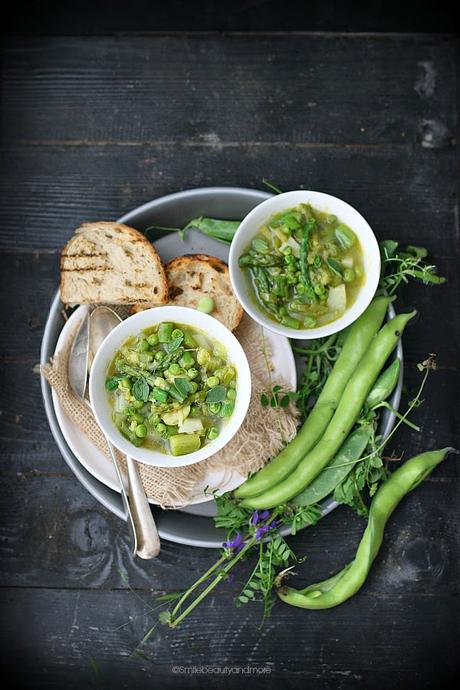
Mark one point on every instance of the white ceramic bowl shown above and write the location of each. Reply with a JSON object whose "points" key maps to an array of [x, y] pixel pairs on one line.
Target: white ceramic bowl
{"points": [[323, 202], [131, 327]]}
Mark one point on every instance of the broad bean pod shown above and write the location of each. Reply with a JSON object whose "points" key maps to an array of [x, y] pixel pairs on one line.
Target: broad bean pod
{"points": [[336, 471], [385, 385], [345, 416], [337, 589], [357, 342]]}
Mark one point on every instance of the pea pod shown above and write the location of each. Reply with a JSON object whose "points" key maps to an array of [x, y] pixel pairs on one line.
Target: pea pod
{"points": [[385, 385], [356, 344], [336, 471], [337, 589], [223, 230], [345, 416]]}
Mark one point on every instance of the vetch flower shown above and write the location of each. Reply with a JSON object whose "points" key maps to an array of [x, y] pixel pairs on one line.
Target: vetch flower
{"points": [[255, 518], [260, 531], [236, 543]]}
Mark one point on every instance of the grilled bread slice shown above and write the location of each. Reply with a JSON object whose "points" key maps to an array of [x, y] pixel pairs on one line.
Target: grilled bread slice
{"points": [[193, 276], [111, 263]]}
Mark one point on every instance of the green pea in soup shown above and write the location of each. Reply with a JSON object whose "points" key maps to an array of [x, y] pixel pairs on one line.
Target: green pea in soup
{"points": [[172, 388], [304, 267]]}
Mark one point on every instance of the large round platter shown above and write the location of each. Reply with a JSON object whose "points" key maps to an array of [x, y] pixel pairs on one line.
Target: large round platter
{"points": [[191, 525]]}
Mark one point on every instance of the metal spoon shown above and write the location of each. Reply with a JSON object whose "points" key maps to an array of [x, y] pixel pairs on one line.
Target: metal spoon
{"points": [[101, 322], [92, 331]]}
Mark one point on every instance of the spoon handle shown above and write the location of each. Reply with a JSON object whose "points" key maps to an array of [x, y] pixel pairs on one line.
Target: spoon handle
{"points": [[124, 498], [147, 533]]}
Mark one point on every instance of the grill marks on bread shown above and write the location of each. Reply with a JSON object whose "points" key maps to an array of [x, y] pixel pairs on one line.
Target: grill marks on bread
{"points": [[112, 263]]}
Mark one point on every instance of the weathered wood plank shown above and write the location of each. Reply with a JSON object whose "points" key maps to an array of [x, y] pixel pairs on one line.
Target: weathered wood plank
{"points": [[57, 535], [34, 277], [315, 89], [48, 191], [95, 633]]}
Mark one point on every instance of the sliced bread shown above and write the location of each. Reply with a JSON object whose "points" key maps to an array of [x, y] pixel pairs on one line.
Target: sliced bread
{"points": [[197, 275], [112, 263]]}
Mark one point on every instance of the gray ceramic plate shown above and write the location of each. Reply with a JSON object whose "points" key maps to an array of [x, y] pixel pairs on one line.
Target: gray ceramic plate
{"points": [[193, 526]]}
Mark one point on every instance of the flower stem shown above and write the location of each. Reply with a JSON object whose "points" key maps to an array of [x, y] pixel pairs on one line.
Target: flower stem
{"points": [[212, 584], [197, 583]]}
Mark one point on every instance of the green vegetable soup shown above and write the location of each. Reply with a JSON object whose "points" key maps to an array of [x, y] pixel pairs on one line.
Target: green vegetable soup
{"points": [[172, 388], [304, 267]]}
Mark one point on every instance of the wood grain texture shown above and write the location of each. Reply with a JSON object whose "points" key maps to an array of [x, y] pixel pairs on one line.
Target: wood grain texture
{"points": [[295, 648], [48, 191], [92, 127], [304, 90]]}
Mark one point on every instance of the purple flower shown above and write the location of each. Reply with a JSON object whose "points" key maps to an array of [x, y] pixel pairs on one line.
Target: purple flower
{"points": [[255, 518], [260, 531], [236, 543], [264, 514]]}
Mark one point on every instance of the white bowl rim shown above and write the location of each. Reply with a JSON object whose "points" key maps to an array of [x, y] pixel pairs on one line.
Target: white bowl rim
{"points": [[133, 325], [323, 201]]}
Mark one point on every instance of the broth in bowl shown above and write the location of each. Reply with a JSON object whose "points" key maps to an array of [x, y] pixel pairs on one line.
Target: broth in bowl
{"points": [[304, 267], [171, 388]]}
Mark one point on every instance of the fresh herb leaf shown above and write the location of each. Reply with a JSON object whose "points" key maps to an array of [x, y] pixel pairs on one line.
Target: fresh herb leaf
{"points": [[264, 401], [112, 383], [174, 344], [141, 389], [183, 386], [398, 266], [216, 394], [335, 266]]}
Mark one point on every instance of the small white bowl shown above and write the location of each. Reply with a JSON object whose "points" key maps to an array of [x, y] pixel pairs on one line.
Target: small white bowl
{"points": [[251, 225], [131, 327]]}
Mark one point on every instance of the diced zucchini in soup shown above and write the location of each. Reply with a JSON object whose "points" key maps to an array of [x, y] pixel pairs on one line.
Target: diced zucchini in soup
{"points": [[172, 388], [337, 299]]}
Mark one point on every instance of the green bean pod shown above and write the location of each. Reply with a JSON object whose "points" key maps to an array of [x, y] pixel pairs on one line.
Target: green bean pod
{"points": [[335, 472], [385, 385], [340, 587], [345, 416], [356, 344], [223, 230]]}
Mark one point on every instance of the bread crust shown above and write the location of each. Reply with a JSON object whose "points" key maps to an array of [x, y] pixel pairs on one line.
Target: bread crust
{"points": [[184, 264], [127, 235]]}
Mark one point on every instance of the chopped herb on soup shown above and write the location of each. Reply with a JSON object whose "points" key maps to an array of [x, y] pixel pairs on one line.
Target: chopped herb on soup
{"points": [[172, 388], [305, 267]]}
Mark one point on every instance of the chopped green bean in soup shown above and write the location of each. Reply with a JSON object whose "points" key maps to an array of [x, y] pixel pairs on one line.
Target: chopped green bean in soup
{"points": [[172, 388], [305, 267]]}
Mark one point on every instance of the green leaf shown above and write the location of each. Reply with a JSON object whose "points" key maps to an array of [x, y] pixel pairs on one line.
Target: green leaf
{"points": [[345, 237], [183, 386], [216, 394], [388, 248], [165, 617], [264, 401], [140, 389], [284, 402], [335, 266], [112, 383], [174, 344]]}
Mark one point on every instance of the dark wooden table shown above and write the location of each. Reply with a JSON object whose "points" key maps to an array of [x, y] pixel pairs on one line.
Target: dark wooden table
{"points": [[93, 127]]}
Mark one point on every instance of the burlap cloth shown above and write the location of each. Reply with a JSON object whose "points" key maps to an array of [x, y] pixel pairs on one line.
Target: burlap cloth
{"points": [[263, 433]]}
